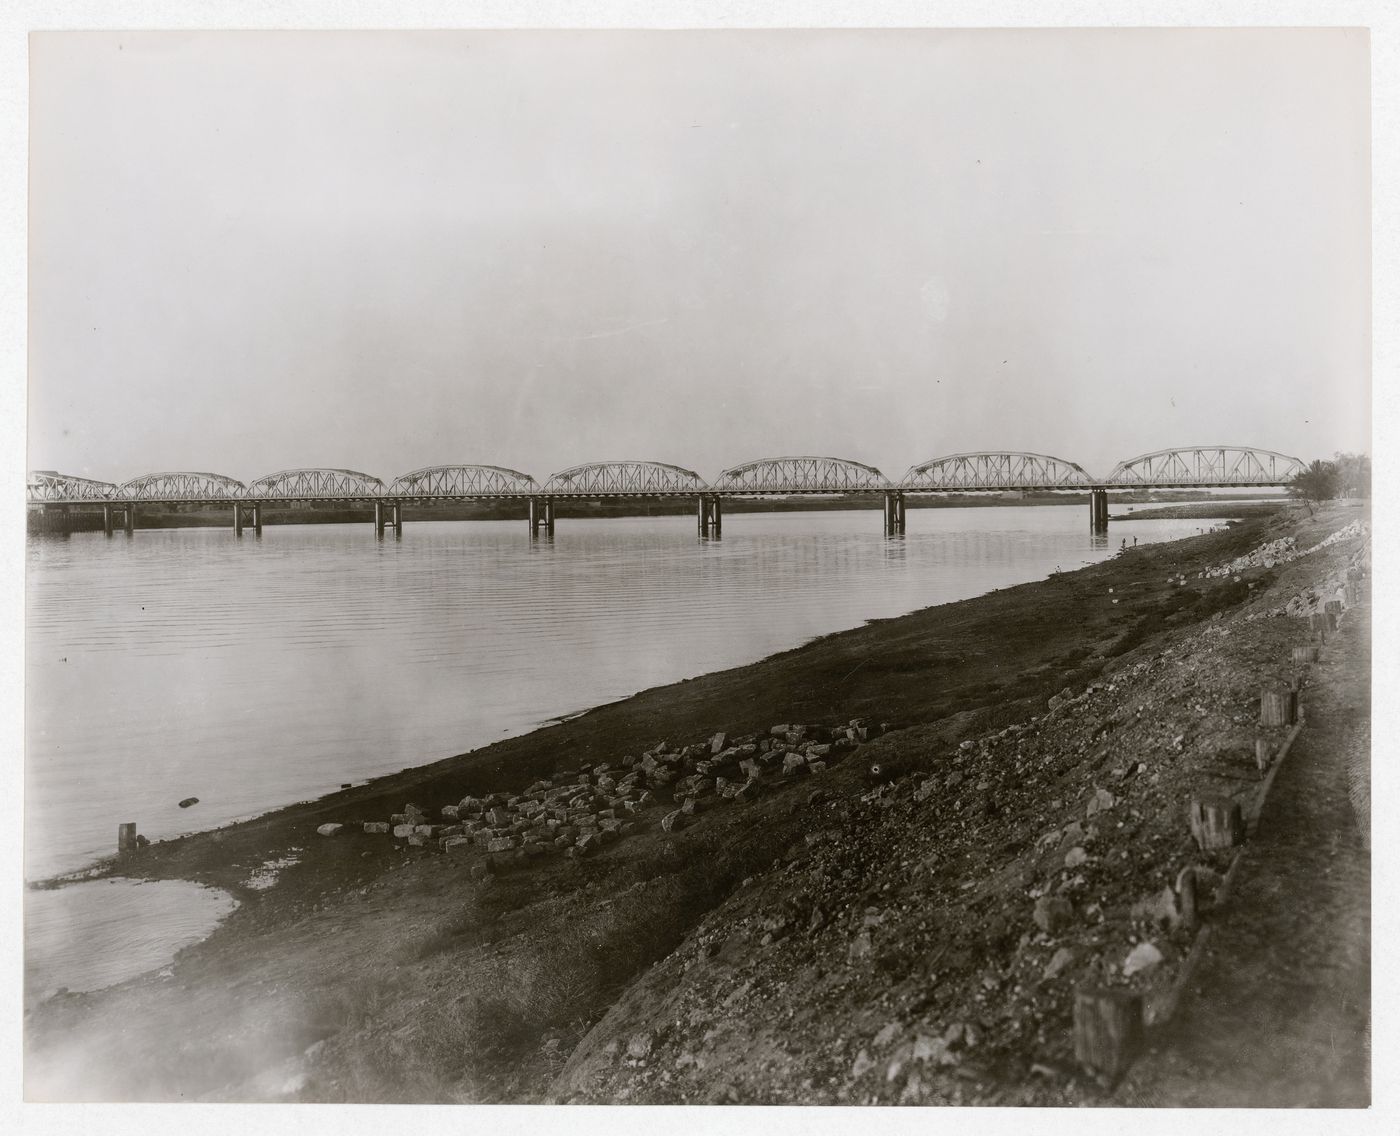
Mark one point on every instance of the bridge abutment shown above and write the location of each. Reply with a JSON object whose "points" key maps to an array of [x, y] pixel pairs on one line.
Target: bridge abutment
{"points": [[709, 517], [894, 514]]}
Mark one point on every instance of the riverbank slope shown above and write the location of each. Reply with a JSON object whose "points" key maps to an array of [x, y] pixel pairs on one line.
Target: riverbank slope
{"points": [[778, 930]]}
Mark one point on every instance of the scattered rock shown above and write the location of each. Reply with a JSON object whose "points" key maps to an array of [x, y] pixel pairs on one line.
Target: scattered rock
{"points": [[1059, 961], [887, 1035], [1159, 908], [1075, 856], [329, 829], [1053, 913], [1141, 958]]}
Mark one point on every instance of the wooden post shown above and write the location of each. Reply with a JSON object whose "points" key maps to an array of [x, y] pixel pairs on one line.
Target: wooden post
{"points": [[1216, 822], [1261, 754], [1324, 621], [1277, 706], [1186, 894], [126, 838], [1352, 593], [1107, 1029], [1305, 654]]}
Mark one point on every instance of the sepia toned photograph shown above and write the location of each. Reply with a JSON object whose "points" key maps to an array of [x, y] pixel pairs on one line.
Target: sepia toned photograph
{"points": [[699, 566]]}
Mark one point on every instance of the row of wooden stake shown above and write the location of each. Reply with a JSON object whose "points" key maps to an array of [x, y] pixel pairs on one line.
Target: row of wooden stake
{"points": [[1109, 1025]]}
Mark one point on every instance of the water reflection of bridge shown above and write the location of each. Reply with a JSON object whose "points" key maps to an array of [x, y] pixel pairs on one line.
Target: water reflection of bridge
{"points": [[1193, 467]]}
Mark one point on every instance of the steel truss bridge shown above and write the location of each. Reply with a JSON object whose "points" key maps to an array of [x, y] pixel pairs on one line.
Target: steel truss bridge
{"points": [[1193, 467]]}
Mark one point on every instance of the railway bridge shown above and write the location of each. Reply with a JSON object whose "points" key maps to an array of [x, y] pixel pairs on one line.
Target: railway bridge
{"points": [[1000, 471]]}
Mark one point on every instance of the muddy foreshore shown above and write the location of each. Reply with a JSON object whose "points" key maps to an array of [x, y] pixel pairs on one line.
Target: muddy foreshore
{"points": [[784, 949]]}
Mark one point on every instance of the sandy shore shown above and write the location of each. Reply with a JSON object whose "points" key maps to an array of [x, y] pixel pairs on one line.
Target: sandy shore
{"points": [[378, 971]]}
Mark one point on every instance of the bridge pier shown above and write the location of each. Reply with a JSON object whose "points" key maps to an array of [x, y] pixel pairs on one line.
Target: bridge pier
{"points": [[387, 514], [894, 514], [109, 522], [247, 514], [541, 516], [709, 517], [1098, 510]]}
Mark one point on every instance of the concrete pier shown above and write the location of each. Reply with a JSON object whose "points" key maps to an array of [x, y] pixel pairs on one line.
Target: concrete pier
{"points": [[542, 516], [894, 514], [247, 513], [1098, 510], [388, 514], [709, 517], [127, 519]]}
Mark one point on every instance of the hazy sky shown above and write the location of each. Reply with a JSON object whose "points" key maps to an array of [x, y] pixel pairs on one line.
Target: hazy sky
{"points": [[256, 251]]}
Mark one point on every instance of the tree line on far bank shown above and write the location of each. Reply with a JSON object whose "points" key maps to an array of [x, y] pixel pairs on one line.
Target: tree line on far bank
{"points": [[1347, 475]]}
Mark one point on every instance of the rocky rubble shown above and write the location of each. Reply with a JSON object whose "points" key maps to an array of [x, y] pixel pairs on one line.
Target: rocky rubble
{"points": [[577, 811], [1283, 550]]}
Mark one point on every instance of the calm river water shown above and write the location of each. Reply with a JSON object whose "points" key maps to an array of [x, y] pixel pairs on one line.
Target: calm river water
{"points": [[252, 673]]}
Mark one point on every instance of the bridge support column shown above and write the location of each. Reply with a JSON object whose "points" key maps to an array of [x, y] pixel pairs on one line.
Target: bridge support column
{"points": [[1098, 510], [247, 515], [129, 518], [388, 514], [107, 519], [710, 517], [894, 514], [541, 516]]}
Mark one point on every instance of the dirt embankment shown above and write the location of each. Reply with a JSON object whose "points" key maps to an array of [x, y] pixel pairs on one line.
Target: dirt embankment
{"points": [[911, 934]]}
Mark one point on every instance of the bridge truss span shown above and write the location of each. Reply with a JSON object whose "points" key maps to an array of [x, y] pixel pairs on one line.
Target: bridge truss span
{"points": [[801, 475], [457, 481], [624, 479], [316, 485], [990, 471], [1206, 466], [181, 487], [49, 487]]}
